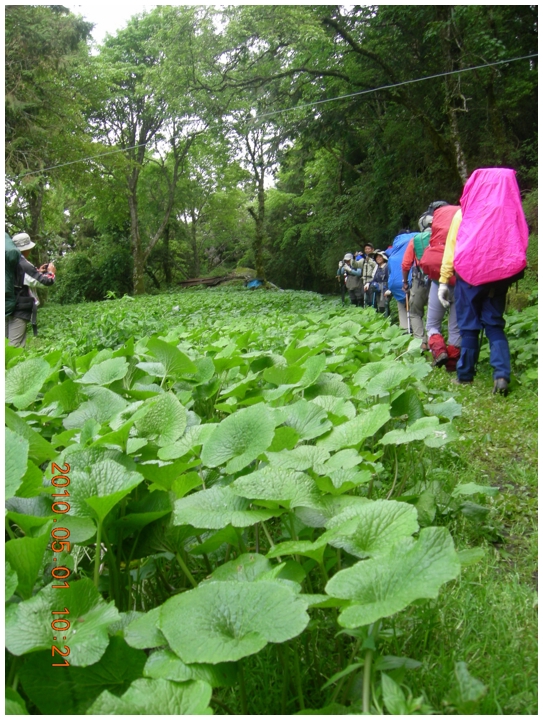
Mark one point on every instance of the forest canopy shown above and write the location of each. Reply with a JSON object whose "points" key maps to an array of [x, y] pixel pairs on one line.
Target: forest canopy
{"points": [[203, 138]]}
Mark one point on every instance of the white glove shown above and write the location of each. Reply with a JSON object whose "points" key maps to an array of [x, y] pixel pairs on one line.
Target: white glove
{"points": [[340, 264], [388, 293], [443, 294]]}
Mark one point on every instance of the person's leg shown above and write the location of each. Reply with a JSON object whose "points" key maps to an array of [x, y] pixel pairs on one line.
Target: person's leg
{"points": [[454, 339], [468, 300], [494, 324], [434, 318], [435, 312], [352, 296], [16, 331], [418, 299], [360, 296], [402, 315]]}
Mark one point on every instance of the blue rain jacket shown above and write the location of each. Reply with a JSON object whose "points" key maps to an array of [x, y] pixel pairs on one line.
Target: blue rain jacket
{"points": [[395, 257]]}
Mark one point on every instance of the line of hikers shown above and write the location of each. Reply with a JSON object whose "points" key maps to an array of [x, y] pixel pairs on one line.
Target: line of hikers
{"points": [[464, 259]]}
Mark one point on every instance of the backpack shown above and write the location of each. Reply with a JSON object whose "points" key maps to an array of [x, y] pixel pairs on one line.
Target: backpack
{"points": [[11, 263], [493, 235], [430, 261], [395, 257]]}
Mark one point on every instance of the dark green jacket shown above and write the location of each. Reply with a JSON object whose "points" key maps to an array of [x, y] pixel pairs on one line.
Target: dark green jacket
{"points": [[12, 260]]}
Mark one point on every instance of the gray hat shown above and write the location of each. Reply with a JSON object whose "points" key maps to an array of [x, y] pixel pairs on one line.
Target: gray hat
{"points": [[22, 241], [348, 256]]}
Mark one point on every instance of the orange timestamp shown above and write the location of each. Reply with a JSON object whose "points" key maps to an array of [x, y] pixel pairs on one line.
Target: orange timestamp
{"points": [[60, 543]]}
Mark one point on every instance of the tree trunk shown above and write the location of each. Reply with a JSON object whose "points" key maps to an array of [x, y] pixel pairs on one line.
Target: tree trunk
{"points": [[258, 217], [194, 244], [166, 264], [137, 250]]}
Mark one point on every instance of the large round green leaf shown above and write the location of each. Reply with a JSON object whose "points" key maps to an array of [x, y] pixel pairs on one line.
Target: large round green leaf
{"points": [[103, 406], [95, 491], [156, 697], [215, 508], [380, 587], [39, 449], [143, 632], [79, 686], [379, 524], [384, 382], [24, 381], [30, 514], [25, 555], [28, 627], [165, 664], [11, 580], [353, 432], [225, 621], [240, 438], [16, 457], [301, 458], [419, 430], [287, 487], [193, 437], [308, 419], [106, 372], [175, 362], [162, 419]]}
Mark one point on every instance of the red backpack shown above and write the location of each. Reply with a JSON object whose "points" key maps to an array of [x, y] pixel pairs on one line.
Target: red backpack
{"points": [[430, 261]]}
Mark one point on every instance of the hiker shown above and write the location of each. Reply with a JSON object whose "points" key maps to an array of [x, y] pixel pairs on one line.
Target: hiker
{"points": [[418, 289], [341, 277], [20, 312], [377, 289], [443, 353], [353, 281], [368, 265], [395, 277], [486, 245]]}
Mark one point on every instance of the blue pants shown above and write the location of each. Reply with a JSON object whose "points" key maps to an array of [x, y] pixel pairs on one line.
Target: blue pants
{"points": [[482, 306]]}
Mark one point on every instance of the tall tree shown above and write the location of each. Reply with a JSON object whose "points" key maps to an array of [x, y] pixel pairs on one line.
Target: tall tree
{"points": [[147, 109], [44, 43]]}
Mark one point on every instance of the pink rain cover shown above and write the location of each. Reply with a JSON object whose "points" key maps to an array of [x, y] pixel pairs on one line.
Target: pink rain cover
{"points": [[493, 235]]}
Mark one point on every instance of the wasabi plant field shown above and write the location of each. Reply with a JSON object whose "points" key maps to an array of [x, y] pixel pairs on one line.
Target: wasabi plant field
{"points": [[234, 502]]}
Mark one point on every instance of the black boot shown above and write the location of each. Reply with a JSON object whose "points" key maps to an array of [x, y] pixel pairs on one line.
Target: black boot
{"points": [[501, 386]]}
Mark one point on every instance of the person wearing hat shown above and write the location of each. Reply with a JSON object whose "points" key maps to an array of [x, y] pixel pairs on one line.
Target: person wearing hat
{"points": [[353, 280], [377, 289], [368, 266], [25, 274]]}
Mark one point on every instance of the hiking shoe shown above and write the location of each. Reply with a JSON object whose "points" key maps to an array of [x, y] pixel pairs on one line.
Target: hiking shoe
{"points": [[440, 360], [456, 381], [501, 386]]}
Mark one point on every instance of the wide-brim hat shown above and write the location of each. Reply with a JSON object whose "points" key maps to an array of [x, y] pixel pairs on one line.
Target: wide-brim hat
{"points": [[382, 253], [22, 241]]}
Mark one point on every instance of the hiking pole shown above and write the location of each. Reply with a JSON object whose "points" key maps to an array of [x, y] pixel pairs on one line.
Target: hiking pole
{"points": [[408, 314]]}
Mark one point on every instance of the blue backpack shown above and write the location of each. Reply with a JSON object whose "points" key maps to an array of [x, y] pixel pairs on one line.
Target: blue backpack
{"points": [[395, 257]]}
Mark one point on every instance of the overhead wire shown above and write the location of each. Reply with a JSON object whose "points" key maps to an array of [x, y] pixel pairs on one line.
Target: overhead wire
{"points": [[394, 85], [304, 105]]}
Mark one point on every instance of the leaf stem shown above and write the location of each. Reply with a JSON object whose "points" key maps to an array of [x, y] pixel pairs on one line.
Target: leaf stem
{"points": [[298, 678], [98, 554], [243, 692], [366, 684], [395, 472], [186, 571], [269, 537]]}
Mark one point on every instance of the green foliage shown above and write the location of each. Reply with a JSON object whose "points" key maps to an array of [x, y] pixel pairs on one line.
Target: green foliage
{"points": [[272, 456]]}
